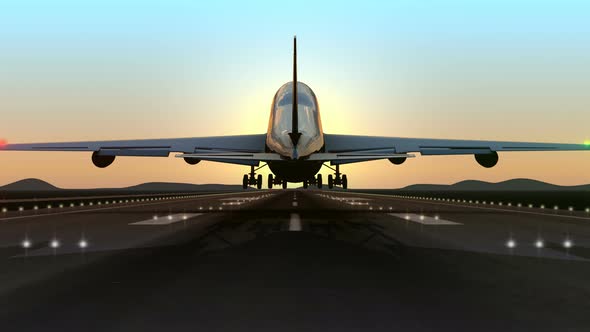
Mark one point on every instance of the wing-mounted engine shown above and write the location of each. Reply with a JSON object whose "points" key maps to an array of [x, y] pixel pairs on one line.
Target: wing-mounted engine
{"points": [[487, 160], [101, 161]]}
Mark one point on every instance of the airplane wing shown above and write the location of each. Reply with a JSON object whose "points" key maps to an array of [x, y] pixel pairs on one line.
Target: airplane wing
{"points": [[341, 147], [197, 148]]}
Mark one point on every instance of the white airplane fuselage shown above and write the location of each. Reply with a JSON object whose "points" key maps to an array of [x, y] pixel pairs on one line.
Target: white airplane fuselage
{"points": [[295, 167]]}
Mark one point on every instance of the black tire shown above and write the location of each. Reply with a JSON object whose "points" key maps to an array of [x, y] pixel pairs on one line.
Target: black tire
{"points": [[259, 181], [319, 181], [305, 184], [330, 181], [270, 181], [344, 182], [284, 184], [245, 181]]}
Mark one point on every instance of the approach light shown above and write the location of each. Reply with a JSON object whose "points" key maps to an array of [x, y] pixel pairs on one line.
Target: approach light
{"points": [[26, 243], [82, 244], [567, 244], [436, 217], [169, 217], [4, 210], [511, 243], [539, 244], [54, 243]]}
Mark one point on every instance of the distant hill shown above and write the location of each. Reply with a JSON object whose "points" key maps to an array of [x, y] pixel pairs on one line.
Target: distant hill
{"points": [[509, 185], [36, 185], [29, 185]]}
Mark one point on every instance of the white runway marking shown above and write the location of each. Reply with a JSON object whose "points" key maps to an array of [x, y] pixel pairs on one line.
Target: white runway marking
{"points": [[424, 220], [166, 219], [294, 203], [295, 223]]}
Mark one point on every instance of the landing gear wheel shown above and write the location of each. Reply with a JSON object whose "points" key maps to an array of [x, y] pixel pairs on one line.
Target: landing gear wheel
{"points": [[270, 181], [319, 181], [305, 184], [330, 181], [344, 182], [259, 181], [245, 181], [284, 184]]}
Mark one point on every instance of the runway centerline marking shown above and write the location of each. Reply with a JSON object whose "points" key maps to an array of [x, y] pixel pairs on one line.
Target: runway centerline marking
{"points": [[424, 220], [166, 220], [295, 223]]}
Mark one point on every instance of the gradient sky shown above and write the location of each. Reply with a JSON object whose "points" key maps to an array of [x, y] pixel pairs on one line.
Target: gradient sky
{"points": [[96, 70]]}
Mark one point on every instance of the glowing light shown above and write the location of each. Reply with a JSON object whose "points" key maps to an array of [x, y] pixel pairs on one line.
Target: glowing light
{"points": [[155, 217], [539, 244], [3, 143], [169, 217], [83, 244], [436, 217], [54, 244], [511, 243], [26, 243], [586, 142], [4, 210], [407, 217], [567, 244], [184, 217]]}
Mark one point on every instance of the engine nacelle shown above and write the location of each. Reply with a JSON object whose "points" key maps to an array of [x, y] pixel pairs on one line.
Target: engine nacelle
{"points": [[192, 161], [487, 160], [397, 160], [102, 161]]}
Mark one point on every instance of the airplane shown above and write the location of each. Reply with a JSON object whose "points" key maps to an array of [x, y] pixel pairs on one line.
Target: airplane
{"points": [[295, 147]]}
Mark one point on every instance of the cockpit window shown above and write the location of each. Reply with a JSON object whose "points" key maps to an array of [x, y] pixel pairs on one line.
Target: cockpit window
{"points": [[303, 99]]}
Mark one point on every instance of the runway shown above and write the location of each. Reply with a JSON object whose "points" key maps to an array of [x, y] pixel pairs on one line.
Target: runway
{"points": [[293, 260]]}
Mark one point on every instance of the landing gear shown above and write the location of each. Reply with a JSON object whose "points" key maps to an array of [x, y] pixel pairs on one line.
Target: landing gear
{"points": [[319, 181], [245, 181], [270, 181], [305, 184], [284, 184], [259, 181], [338, 179], [252, 179]]}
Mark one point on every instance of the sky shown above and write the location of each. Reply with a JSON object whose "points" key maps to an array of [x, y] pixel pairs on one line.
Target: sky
{"points": [[98, 70]]}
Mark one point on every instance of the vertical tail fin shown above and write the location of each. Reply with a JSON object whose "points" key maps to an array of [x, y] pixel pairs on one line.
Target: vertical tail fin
{"points": [[295, 134]]}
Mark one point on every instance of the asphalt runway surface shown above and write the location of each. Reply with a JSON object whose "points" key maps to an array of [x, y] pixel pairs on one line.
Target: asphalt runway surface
{"points": [[294, 260]]}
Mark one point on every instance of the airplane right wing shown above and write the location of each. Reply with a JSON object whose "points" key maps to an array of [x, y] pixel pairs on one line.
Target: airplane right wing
{"points": [[239, 149]]}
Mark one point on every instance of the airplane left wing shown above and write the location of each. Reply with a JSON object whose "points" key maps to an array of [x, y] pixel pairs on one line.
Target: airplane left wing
{"points": [[485, 152], [193, 147]]}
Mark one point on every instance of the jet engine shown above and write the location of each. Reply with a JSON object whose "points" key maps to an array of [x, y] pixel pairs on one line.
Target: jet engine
{"points": [[102, 161], [192, 161], [487, 160], [397, 160]]}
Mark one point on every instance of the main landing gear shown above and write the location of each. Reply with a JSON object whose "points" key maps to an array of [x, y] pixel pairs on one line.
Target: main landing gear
{"points": [[338, 179], [317, 181], [252, 179], [272, 181]]}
